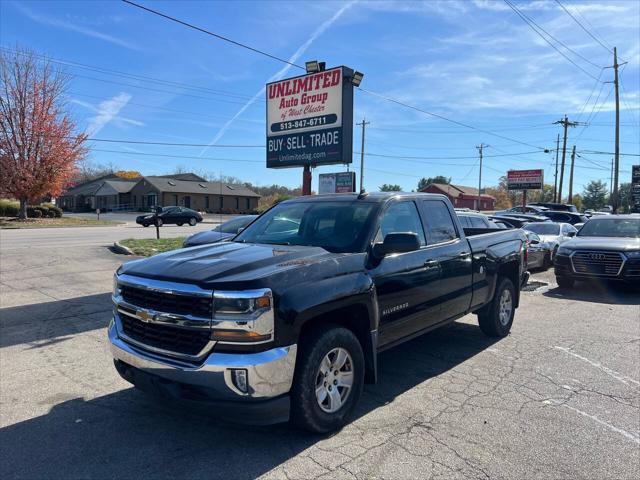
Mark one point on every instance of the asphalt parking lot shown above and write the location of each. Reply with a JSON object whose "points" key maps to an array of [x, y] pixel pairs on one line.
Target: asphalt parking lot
{"points": [[558, 398]]}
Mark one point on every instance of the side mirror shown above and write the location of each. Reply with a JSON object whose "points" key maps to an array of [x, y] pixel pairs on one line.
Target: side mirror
{"points": [[571, 234], [533, 241], [397, 243]]}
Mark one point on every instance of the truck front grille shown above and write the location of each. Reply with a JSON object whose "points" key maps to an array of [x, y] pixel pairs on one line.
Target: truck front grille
{"points": [[606, 264], [179, 340], [196, 306]]}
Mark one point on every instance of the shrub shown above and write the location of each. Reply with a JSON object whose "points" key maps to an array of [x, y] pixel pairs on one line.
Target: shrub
{"points": [[52, 208], [35, 213], [51, 213], [9, 208]]}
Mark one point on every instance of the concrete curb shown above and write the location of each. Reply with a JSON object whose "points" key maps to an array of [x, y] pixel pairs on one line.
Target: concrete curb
{"points": [[122, 249]]}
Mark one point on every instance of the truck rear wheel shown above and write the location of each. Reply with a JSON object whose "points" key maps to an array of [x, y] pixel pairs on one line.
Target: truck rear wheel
{"points": [[496, 318], [328, 380]]}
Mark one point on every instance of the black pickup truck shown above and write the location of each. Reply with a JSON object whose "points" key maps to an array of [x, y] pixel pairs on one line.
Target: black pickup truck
{"points": [[285, 321]]}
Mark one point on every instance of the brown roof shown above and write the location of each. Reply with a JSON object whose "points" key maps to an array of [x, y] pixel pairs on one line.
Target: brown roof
{"points": [[457, 190]]}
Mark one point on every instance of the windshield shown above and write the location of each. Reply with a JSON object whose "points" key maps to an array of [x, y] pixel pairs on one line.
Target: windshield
{"points": [[335, 226], [543, 228], [232, 226], [611, 227]]}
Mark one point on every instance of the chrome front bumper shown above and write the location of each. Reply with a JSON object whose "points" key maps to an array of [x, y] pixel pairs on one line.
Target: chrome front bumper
{"points": [[269, 373]]}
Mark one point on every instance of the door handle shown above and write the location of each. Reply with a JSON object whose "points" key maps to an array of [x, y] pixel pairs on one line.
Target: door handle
{"points": [[464, 255], [431, 263]]}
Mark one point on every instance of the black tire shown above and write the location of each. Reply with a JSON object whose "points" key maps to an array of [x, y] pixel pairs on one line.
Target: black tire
{"points": [[145, 224], [491, 322], [548, 262], [565, 282], [158, 222], [179, 224], [306, 412], [193, 221]]}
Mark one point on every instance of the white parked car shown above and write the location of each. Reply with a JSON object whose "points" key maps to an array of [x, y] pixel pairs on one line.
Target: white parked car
{"points": [[552, 233]]}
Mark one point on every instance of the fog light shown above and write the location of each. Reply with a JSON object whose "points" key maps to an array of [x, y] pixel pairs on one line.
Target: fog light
{"points": [[239, 377]]}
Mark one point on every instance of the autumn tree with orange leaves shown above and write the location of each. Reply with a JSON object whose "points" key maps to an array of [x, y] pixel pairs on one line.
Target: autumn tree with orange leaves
{"points": [[38, 148]]}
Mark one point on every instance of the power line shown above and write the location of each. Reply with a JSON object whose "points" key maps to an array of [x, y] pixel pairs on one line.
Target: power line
{"points": [[208, 32], [186, 24], [133, 76], [175, 156], [442, 117], [168, 144], [583, 27], [531, 24]]}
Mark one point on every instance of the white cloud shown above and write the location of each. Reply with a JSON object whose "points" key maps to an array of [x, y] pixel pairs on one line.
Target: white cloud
{"points": [[75, 27], [282, 72], [108, 111]]}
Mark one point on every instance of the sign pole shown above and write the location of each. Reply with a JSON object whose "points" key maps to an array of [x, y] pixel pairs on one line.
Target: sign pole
{"points": [[306, 180]]}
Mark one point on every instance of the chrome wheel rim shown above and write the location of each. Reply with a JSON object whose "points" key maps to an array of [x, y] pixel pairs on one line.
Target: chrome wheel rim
{"points": [[506, 306], [334, 380]]}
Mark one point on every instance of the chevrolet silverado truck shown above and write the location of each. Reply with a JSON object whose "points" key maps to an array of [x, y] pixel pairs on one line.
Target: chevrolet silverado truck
{"points": [[285, 321]]}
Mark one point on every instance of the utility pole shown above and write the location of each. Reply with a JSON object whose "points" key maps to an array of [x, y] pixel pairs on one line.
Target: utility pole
{"points": [[616, 200], [364, 124], [573, 161], [480, 148], [566, 124], [555, 177]]}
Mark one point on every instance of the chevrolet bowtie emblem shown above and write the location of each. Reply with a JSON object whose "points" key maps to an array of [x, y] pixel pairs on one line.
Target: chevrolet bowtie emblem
{"points": [[145, 316]]}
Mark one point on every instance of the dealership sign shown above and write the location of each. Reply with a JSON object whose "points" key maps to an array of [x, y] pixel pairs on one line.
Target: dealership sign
{"points": [[341, 182], [525, 179], [310, 119]]}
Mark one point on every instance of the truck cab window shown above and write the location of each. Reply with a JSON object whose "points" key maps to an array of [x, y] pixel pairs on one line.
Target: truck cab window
{"points": [[439, 222], [401, 217]]}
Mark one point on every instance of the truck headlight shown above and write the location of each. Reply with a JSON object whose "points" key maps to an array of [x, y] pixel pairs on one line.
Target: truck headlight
{"points": [[116, 286], [243, 317], [564, 251]]}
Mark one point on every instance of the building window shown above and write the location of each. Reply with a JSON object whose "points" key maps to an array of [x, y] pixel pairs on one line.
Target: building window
{"points": [[237, 203], [248, 203], [206, 202]]}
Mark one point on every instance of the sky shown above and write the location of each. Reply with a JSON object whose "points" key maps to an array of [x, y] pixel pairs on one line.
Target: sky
{"points": [[139, 77]]}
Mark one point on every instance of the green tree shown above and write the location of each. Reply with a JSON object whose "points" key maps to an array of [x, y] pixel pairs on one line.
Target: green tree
{"points": [[577, 201], [594, 194], [625, 197], [390, 188], [424, 181]]}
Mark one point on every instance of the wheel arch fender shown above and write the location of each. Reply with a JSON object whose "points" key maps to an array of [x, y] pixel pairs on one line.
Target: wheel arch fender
{"points": [[348, 300]]}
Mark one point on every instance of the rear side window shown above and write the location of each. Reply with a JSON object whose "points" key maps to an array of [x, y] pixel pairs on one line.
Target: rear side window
{"points": [[464, 220], [401, 217], [440, 226]]}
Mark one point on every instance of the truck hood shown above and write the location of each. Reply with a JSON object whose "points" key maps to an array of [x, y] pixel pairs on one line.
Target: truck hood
{"points": [[230, 262], [615, 244]]}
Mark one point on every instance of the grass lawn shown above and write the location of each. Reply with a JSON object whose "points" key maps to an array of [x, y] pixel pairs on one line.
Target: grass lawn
{"points": [[150, 246], [6, 222]]}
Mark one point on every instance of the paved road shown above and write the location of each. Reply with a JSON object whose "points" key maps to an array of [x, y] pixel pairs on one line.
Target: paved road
{"points": [[51, 238], [558, 398]]}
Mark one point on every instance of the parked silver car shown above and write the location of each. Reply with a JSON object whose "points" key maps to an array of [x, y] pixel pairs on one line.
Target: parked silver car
{"points": [[552, 233], [538, 252]]}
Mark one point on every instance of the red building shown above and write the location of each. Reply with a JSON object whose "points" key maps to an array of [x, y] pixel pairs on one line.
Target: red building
{"points": [[462, 197]]}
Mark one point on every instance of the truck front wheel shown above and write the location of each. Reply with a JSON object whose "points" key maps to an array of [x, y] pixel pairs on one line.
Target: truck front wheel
{"points": [[497, 317], [328, 380]]}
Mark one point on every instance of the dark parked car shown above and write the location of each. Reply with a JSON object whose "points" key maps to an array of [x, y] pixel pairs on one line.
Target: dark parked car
{"points": [[222, 232], [528, 217], [508, 220], [565, 217], [558, 207], [286, 321], [475, 220], [170, 215], [533, 209], [606, 248]]}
